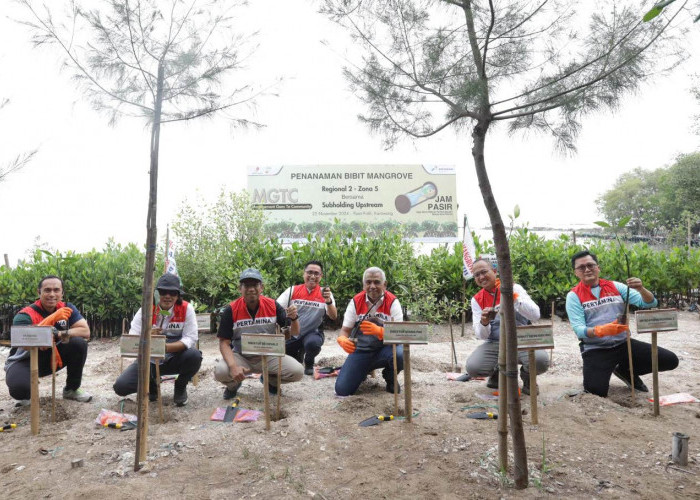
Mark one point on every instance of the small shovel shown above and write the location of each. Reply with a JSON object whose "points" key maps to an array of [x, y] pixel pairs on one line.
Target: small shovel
{"points": [[231, 411], [376, 420]]}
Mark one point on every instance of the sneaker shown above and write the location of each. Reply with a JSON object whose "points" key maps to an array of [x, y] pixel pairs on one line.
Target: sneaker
{"points": [[23, 402], [231, 393], [390, 387], [180, 396], [271, 388], [492, 382], [463, 378], [77, 395], [625, 377], [309, 369]]}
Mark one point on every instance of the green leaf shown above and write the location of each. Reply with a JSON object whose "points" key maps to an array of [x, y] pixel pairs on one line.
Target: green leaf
{"points": [[516, 211], [601, 223], [655, 11]]}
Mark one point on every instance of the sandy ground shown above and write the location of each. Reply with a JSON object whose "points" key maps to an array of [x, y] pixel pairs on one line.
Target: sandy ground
{"points": [[584, 446]]}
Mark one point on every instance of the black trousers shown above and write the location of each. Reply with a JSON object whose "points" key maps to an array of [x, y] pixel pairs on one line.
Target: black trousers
{"points": [[184, 364], [73, 354], [308, 346], [598, 364]]}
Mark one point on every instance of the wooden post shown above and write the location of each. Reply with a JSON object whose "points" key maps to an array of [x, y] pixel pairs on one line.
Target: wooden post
{"points": [[142, 422], [551, 351], [195, 379], [266, 393], [53, 383], [396, 380], [407, 381], [34, 394], [160, 399], [655, 372], [464, 312], [629, 356], [453, 354], [502, 403], [279, 385], [533, 385]]}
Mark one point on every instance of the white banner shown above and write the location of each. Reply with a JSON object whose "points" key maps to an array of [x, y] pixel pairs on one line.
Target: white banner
{"points": [[170, 264], [468, 252]]}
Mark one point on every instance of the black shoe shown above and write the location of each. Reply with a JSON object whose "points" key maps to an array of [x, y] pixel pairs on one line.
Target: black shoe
{"points": [[625, 377], [270, 387], [492, 382], [309, 370], [390, 387], [180, 396], [463, 378], [525, 377], [153, 397], [231, 393]]}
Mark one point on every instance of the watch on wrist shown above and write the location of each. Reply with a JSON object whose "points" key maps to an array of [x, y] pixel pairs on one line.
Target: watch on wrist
{"points": [[329, 302], [294, 319]]}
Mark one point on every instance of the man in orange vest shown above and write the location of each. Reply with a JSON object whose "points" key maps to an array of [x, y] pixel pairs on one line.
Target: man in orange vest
{"points": [[367, 312], [70, 333], [176, 319]]}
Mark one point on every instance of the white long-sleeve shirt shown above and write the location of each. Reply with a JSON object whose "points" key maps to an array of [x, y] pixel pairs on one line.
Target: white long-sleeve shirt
{"points": [[190, 334], [524, 305]]}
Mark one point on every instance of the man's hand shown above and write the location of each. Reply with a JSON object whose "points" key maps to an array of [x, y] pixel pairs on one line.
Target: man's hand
{"points": [[238, 373], [635, 283], [609, 329], [487, 314], [369, 328], [292, 313], [156, 331], [59, 315], [347, 344], [326, 294]]}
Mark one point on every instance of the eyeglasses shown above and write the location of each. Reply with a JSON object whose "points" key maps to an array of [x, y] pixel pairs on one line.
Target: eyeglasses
{"points": [[586, 267], [173, 293], [479, 274], [313, 273], [49, 290]]}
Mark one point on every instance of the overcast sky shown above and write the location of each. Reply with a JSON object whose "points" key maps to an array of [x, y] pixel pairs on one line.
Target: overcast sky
{"points": [[89, 181]]}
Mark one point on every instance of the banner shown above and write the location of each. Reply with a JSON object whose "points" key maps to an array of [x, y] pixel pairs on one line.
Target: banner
{"points": [[468, 252], [170, 264], [302, 200]]}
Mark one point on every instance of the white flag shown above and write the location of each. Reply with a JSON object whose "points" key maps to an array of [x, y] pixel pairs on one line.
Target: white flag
{"points": [[468, 252], [170, 264]]}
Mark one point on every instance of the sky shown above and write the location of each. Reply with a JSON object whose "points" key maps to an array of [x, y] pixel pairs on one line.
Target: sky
{"points": [[89, 180]]}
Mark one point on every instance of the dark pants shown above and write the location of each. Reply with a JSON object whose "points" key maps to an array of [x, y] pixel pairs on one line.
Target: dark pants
{"points": [[358, 365], [598, 364], [73, 354], [184, 364], [308, 346]]}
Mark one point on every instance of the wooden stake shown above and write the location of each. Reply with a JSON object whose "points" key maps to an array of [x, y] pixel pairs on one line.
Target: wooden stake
{"points": [[407, 381], [629, 355], [195, 379], [396, 382], [160, 399], [34, 394], [453, 354], [655, 372], [279, 385], [53, 383], [266, 393], [533, 385], [502, 403]]}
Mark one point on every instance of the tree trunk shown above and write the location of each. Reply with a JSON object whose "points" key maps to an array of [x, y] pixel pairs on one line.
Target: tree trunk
{"points": [[506, 275], [147, 291]]}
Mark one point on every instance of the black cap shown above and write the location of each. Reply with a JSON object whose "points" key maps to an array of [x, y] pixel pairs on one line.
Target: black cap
{"points": [[169, 282], [250, 274]]}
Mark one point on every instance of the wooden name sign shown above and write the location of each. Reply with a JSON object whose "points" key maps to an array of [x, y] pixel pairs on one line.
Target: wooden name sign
{"points": [[262, 344], [203, 323], [656, 320], [405, 332], [31, 336], [535, 337], [129, 346]]}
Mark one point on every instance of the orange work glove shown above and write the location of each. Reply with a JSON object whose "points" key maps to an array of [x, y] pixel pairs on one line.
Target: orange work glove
{"points": [[608, 329], [347, 344], [59, 315], [369, 328]]}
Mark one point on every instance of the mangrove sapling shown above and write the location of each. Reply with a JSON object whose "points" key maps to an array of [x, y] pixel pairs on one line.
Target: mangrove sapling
{"points": [[622, 318]]}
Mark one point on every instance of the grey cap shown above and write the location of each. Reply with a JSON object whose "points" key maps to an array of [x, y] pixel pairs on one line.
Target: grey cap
{"points": [[169, 282], [250, 274]]}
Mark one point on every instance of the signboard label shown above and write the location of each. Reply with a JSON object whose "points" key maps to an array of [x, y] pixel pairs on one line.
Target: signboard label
{"points": [[261, 344], [31, 336], [656, 320], [129, 346], [405, 332], [535, 337], [203, 322]]}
